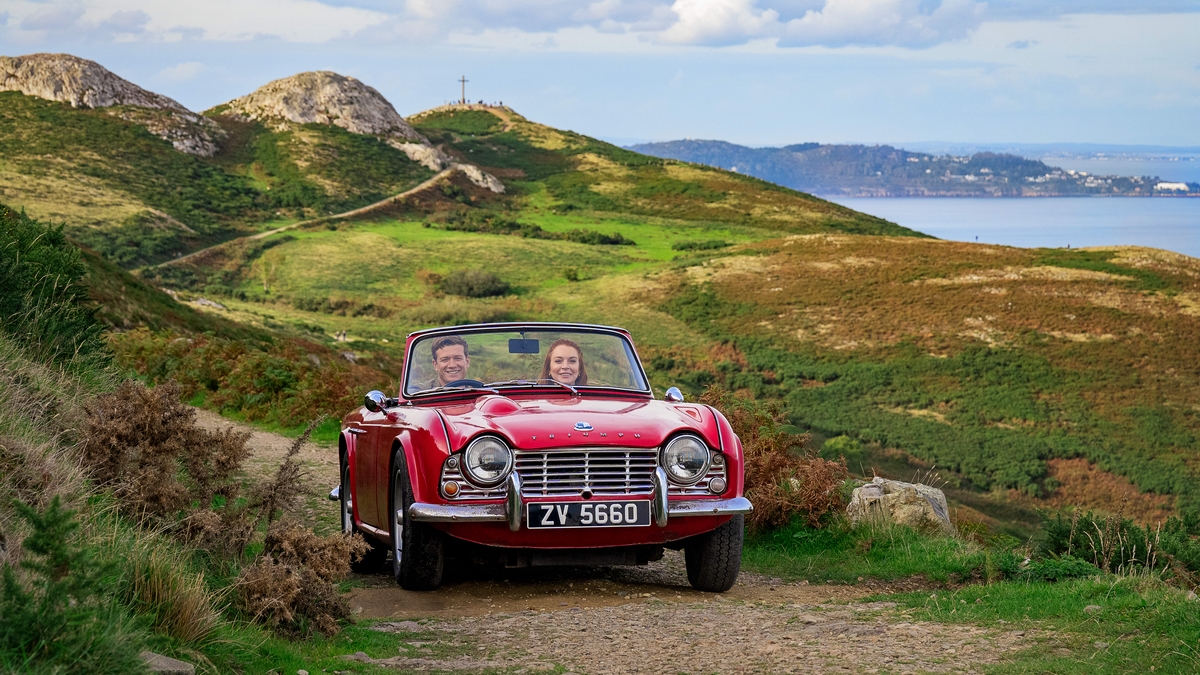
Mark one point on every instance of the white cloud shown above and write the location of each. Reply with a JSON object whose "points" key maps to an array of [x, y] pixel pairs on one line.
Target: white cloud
{"points": [[756, 24], [720, 22], [182, 72]]}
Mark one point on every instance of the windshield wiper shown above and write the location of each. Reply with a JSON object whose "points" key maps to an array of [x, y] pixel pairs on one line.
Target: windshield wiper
{"points": [[533, 383], [441, 390]]}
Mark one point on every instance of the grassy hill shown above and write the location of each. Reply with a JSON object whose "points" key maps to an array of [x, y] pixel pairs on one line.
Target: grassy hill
{"points": [[314, 169], [135, 199], [566, 171]]}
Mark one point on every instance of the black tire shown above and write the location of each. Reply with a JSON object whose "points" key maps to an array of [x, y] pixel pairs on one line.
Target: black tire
{"points": [[418, 554], [372, 561], [715, 558]]}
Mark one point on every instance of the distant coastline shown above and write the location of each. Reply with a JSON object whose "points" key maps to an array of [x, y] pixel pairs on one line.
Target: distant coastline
{"points": [[884, 171]]}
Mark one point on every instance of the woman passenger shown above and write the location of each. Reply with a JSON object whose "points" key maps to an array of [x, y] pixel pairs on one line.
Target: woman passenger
{"points": [[564, 363]]}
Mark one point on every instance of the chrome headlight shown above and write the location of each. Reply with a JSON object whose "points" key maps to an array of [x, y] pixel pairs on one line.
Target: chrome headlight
{"points": [[686, 459], [487, 461]]}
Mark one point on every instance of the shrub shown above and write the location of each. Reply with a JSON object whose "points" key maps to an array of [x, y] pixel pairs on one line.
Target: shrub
{"points": [[1115, 544], [145, 444], [473, 284], [61, 618], [842, 447], [1057, 569], [44, 304], [292, 585], [700, 245], [783, 476]]}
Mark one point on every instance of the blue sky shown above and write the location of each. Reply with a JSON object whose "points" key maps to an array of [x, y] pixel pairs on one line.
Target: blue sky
{"points": [[759, 72]]}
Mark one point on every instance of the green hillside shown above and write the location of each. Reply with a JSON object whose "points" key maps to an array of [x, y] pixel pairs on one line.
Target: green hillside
{"points": [[566, 171], [119, 189], [315, 169], [135, 199]]}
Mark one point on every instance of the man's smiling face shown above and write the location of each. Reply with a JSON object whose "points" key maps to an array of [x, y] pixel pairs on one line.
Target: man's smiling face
{"points": [[451, 363]]}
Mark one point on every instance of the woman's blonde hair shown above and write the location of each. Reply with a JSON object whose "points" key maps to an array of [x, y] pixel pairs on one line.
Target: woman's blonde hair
{"points": [[581, 379]]}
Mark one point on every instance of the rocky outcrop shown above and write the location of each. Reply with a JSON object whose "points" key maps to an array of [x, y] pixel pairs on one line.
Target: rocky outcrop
{"points": [[920, 507], [87, 84], [324, 97]]}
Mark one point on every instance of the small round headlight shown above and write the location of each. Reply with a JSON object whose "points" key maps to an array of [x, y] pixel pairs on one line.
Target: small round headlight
{"points": [[686, 460], [487, 461]]}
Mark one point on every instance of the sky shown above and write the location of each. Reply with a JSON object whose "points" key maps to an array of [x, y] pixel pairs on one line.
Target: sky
{"points": [[756, 72]]}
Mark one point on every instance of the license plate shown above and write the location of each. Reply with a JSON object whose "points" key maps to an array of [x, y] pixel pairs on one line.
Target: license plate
{"points": [[545, 515]]}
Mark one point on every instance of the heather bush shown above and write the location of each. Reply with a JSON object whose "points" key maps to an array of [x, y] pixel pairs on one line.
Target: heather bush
{"points": [[292, 584], [145, 445], [473, 284], [784, 477]]}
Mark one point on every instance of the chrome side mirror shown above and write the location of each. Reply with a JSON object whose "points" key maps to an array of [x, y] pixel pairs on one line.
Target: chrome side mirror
{"points": [[375, 401], [673, 395]]}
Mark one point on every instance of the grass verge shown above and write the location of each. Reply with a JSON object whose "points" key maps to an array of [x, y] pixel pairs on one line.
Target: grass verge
{"points": [[1102, 624]]}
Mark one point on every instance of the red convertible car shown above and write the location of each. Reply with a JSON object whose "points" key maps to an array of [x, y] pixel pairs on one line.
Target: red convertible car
{"points": [[539, 444]]}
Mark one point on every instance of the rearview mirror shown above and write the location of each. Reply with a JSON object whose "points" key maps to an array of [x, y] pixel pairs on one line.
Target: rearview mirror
{"points": [[522, 346], [673, 395]]}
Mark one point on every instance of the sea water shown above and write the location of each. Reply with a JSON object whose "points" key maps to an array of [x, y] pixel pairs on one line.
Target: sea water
{"points": [[1171, 223]]}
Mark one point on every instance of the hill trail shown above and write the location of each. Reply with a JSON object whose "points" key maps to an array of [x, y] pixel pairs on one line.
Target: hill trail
{"points": [[354, 213], [642, 619]]}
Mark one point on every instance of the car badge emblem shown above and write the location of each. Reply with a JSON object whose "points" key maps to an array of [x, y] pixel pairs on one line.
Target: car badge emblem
{"points": [[582, 426]]}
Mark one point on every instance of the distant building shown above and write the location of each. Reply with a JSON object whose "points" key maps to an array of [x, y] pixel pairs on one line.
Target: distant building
{"points": [[1171, 187]]}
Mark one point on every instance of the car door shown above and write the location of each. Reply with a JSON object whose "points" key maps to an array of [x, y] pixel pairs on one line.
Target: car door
{"points": [[367, 478]]}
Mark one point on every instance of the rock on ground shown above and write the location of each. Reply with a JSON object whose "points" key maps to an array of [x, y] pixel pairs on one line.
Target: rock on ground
{"points": [[920, 507], [87, 84], [165, 665]]}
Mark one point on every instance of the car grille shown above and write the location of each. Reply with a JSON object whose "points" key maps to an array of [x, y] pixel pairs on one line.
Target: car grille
{"points": [[605, 471]]}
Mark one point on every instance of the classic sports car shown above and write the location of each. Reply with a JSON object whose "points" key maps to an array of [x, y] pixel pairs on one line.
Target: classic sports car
{"points": [[538, 444]]}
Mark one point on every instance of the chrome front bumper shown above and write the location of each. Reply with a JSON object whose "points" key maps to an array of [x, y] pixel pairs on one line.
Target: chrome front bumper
{"points": [[512, 510]]}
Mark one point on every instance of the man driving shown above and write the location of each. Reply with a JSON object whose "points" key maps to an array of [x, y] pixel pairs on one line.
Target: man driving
{"points": [[450, 360]]}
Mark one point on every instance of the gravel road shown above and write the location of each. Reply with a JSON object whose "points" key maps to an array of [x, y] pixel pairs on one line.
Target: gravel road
{"points": [[643, 620]]}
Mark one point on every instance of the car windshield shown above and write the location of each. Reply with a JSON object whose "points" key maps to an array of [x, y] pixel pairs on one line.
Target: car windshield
{"points": [[514, 358]]}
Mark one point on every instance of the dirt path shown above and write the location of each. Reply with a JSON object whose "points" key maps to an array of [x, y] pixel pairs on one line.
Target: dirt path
{"points": [[623, 620], [337, 216]]}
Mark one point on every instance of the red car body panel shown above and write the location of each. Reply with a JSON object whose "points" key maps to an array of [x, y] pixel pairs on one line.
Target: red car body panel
{"points": [[428, 431]]}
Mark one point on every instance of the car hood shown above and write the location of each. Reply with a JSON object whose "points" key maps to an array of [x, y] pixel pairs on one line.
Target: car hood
{"points": [[574, 421]]}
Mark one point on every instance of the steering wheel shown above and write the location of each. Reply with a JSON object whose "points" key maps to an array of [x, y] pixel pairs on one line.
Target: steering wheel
{"points": [[464, 383]]}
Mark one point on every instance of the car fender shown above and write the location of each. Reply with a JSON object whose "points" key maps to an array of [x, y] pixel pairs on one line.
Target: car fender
{"points": [[731, 447], [348, 444], [425, 447]]}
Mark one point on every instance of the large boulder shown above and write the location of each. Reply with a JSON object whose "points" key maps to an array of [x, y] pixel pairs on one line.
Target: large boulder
{"points": [[324, 97], [87, 84], [920, 507]]}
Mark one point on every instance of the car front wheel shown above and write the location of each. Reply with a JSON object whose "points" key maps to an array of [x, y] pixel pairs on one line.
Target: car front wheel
{"points": [[418, 552], [373, 559], [715, 558]]}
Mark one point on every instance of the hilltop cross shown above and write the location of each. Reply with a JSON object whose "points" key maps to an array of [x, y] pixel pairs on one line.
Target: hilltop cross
{"points": [[464, 89]]}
